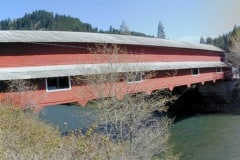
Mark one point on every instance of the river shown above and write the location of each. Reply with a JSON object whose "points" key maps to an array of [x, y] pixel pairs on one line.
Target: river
{"points": [[68, 117], [207, 137], [198, 137]]}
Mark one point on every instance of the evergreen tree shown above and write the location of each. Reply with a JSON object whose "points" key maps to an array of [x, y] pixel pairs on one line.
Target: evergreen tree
{"points": [[209, 40], [110, 29], [161, 33], [43, 20], [124, 28], [202, 40], [234, 37]]}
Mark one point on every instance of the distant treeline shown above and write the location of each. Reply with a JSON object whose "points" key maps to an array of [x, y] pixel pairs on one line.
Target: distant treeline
{"points": [[44, 20], [225, 41]]}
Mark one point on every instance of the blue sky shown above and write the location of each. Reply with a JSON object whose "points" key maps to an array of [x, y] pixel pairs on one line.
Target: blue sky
{"points": [[183, 19]]}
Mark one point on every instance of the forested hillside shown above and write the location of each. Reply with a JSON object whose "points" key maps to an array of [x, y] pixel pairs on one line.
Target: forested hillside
{"points": [[44, 20], [226, 41], [230, 43]]}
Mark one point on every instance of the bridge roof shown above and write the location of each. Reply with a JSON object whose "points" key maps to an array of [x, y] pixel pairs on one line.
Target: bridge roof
{"points": [[12, 36], [90, 69]]}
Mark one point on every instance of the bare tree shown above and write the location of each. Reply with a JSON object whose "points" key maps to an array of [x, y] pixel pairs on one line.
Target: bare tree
{"points": [[125, 116], [21, 92], [234, 47], [234, 59], [161, 32], [126, 127]]}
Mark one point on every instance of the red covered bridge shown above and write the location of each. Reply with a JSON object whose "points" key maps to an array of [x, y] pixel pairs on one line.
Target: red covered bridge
{"points": [[53, 60]]}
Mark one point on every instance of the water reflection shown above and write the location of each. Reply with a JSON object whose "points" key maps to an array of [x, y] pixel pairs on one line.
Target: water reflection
{"points": [[199, 137], [68, 117], [207, 137]]}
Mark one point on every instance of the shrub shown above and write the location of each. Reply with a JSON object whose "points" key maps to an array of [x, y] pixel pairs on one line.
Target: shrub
{"points": [[23, 136]]}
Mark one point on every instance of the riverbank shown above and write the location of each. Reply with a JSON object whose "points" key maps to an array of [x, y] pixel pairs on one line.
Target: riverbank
{"points": [[24, 136]]}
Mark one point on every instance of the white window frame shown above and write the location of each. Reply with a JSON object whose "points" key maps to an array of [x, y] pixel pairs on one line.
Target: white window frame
{"points": [[138, 81], [219, 71], [192, 72], [57, 90]]}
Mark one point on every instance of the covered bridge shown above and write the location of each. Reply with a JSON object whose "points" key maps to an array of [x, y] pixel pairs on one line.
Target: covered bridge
{"points": [[58, 63]]}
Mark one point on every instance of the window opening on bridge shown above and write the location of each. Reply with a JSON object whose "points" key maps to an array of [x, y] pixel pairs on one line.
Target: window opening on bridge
{"points": [[195, 71], [134, 77], [58, 84], [3, 86], [219, 69]]}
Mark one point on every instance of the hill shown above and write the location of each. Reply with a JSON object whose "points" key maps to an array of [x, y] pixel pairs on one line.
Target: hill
{"points": [[44, 20], [230, 43], [226, 41]]}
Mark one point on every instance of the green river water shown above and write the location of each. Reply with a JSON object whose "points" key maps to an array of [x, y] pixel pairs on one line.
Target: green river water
{"points": [[199, 137]]}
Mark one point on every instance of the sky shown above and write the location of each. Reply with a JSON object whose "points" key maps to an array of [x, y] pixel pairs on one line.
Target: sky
{"points": [[183, 20]]}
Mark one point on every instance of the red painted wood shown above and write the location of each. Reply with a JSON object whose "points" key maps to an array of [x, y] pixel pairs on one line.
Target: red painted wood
{"points": [[83, 94], [32, 54], [16, 55]]}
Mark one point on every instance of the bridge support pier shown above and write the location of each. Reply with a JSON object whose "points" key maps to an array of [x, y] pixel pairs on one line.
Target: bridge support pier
{"points": [[220, 88]]}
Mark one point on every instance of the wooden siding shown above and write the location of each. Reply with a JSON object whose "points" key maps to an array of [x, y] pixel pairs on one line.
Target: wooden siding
{"points": [[45, 54], [84, 93], [16, 55]]}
